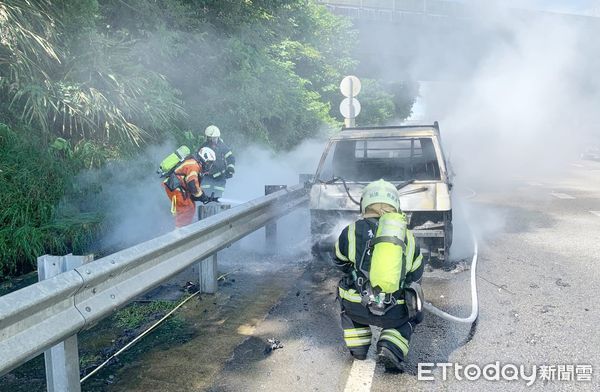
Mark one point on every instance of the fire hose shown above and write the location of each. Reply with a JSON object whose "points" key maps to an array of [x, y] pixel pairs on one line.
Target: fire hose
{"points": [[474, 301]]}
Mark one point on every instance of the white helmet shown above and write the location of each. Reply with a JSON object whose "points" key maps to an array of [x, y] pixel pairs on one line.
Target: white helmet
{"points": [[212, 131], [207, 154]]}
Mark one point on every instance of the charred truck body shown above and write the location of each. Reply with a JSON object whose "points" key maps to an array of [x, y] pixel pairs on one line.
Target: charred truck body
{"points": [[410, 157]]}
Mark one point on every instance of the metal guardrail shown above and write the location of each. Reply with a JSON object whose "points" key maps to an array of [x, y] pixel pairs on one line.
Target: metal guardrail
{"points": [[39, 316]]}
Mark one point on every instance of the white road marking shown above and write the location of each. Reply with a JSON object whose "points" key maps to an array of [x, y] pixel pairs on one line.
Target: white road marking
{"points": [[597, 213], [361, 376], [535, 183], [562, 195], [362, 372], [577, 165]]}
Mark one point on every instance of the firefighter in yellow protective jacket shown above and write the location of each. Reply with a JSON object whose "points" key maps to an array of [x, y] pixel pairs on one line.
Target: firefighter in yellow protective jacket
{"points": [[382, 286]]}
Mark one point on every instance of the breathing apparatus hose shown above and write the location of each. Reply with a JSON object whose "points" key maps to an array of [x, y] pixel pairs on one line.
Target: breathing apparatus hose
{"points": [[348, 192], [474, 301]]}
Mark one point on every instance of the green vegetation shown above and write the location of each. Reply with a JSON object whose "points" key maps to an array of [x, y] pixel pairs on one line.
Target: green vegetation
{"points": [[137, 314], [106, 338], [32, 220], [83, 83]]}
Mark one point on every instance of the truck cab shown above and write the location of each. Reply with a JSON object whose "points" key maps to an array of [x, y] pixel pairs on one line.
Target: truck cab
{"points": [[410, 157]]}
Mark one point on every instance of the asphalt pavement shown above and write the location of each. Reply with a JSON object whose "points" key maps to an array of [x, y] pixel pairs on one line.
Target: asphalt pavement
{"points": [[538, 279]]}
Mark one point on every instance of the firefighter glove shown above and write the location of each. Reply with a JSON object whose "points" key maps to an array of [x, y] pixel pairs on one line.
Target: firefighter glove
{"points": [[203, 198]]}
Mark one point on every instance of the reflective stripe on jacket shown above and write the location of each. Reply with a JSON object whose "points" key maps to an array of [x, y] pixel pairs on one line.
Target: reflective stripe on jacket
{"points": [[188, 173], [225, 159], [351, 244]]}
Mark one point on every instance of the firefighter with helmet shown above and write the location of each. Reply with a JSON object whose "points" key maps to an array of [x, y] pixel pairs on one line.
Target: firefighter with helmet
{"points": [[224, 166], [185, 185], [384, 267]]}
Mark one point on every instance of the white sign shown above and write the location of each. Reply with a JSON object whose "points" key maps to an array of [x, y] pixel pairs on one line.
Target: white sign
{"points": [[346, 110], [350, 86]]}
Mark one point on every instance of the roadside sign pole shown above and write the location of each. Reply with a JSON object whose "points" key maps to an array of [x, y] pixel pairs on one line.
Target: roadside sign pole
{"points": [[352, 119], [350, 106]]}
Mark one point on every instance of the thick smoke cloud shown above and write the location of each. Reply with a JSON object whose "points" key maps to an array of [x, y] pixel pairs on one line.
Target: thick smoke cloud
{"points": [[137, 209], [522, 104], [527, 106], [258, 167], [131, 198], [522, 108]]}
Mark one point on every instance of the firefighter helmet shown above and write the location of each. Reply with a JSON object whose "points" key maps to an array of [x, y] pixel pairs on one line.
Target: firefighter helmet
{"points": [[212, 131], [379, 191], [207, 154]]}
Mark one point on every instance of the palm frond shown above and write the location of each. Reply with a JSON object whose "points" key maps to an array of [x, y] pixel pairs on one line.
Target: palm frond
{"points": [[27, 31]]}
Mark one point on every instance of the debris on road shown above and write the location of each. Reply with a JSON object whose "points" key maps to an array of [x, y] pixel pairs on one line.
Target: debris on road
{"points": [[460, 267], [273, 344], [500, 287], [190, 287], [559, 282]]}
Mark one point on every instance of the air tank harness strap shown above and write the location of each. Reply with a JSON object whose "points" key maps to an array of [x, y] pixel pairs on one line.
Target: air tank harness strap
{"points": [[372, 298], [385, 238]]}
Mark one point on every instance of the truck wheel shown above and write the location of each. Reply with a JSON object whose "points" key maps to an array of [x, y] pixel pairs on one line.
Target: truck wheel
{"points": [[448, 233], [318, 228]]}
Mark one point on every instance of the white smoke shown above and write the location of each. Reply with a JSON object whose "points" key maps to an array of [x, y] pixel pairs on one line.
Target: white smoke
{"points": [[137, 209], [520, 111], [132, 199], [256, 167], [526, 107]]}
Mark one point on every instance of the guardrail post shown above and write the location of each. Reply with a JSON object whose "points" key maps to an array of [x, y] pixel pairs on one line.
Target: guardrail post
{"points": [[62, 360], [271, 228], [207, 268]]}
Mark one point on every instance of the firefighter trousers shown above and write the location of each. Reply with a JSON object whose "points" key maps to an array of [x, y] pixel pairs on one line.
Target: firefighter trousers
{"points": [[214, 186], [358, 338], [182, 207]]}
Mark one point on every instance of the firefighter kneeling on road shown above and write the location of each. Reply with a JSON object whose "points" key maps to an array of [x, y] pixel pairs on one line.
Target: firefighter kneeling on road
{"points": [[382, 286]]}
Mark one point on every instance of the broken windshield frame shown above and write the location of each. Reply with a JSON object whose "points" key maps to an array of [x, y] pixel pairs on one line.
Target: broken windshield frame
{"points": [[393, 159]]}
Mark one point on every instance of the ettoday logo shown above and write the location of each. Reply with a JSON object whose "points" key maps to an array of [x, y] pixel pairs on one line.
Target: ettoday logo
{"points": [[506, 372]]}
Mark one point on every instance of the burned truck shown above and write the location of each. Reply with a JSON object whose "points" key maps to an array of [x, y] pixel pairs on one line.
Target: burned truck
{"points": [[410, 157]]}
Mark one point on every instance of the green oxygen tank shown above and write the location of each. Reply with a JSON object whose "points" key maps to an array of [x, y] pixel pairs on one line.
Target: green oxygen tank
{"points": [[388, 253], [172, 160]]}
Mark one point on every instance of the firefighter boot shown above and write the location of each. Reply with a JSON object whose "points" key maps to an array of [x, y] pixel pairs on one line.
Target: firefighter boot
{"points": [[391, 362]]}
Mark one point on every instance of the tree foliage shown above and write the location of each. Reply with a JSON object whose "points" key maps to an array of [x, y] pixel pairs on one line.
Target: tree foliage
{"points": [[92, 89], [32, 220], [263, 71], [83, 82]]}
